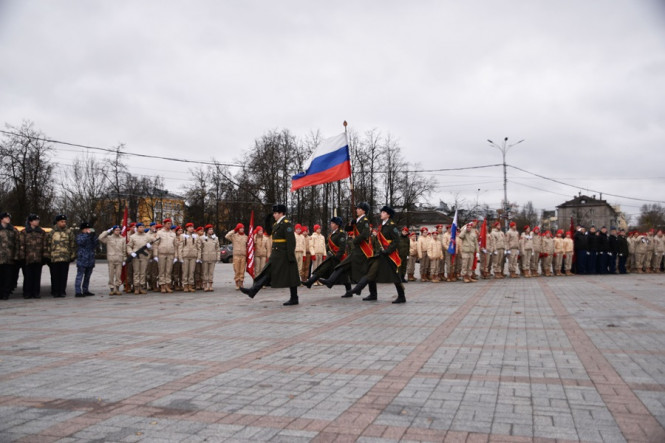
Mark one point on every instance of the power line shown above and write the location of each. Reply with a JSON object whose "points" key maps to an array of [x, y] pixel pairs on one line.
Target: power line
{"points": [[585, 188]]}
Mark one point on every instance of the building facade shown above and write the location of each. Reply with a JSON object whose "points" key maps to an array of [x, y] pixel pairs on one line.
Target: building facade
{"points": [[587, 211]]}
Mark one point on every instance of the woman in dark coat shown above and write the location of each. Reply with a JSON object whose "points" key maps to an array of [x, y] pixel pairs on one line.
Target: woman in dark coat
{"points": [[281, 270]]}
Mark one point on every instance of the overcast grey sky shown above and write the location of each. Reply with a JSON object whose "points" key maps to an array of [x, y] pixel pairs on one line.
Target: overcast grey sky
{"points": [[582, 81]]}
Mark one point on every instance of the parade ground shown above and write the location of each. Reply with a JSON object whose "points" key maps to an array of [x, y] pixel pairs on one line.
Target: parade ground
{"points": [[542, 359]]}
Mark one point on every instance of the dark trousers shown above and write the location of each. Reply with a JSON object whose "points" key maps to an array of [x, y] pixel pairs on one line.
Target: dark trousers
{"points": [[612, 263], [82, 282], [591, 262], [622, 264], [32, 280], [601, 262], [580, 261], [7, 273], [59, 273]]}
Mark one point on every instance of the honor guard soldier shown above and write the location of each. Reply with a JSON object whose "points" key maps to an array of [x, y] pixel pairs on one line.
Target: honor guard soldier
{"points": [[612, 250], [337, 252], [622, 251], [281, 271], [9, 255], [116, 254], [384, 264], [138, 250], [33, 252], [356, 264], [238, 239], [164, 251]]}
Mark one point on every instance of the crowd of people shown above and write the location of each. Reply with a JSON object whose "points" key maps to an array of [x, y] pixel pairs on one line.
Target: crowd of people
{"points": [[167, 258]]}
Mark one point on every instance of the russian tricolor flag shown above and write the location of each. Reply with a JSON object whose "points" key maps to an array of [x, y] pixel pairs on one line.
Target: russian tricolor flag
{"points": [[329, 162], [453, 235]]}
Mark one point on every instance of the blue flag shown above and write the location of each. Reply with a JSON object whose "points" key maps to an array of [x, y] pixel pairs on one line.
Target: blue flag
{"points": [[453, 235]]}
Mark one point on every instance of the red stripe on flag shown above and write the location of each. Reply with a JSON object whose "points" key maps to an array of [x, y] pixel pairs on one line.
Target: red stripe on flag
{"points": [[339, 172], [250, 246]]}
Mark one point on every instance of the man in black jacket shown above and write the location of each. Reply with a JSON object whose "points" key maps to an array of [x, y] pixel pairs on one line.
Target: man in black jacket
{"points": [[612, 251], [581, 250], [622, 251], [592, 249], [602, 246]]}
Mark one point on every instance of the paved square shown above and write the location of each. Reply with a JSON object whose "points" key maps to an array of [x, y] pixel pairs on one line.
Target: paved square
{"points": [[541, 359]]}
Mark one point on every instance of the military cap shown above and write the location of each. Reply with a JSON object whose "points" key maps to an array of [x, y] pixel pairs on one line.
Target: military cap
{"points": [[387, 209], [115, 227], [279, 208], [337, 220], [364, 206], [139, 224], [84, 225], [5, 214], [59, 217], [153, 224], [146, 230], [32, 217]]}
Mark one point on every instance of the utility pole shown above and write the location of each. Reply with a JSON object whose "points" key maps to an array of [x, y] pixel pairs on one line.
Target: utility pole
{"points": [[504, 148]]}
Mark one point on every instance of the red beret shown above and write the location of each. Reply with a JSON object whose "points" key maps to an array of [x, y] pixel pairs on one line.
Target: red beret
{"points": [[439, 226], [208, 226], [166, 220], [513, 224], [297, 226], [178, 228], [200, 228], [305, 228], [413, 234], [158, 226], [536, 229], [560, 231], [258, 228], [525, 228], [189, 224], [497, 224], [317, 227], [424, 229], [131, 225], [237, 228], [405, 229]]}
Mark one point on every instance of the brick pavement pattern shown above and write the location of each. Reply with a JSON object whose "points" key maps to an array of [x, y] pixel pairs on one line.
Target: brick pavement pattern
{"points": [[543, 359]]}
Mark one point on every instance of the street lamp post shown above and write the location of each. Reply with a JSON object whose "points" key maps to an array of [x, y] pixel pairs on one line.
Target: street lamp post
{"points": [[504, 148]]}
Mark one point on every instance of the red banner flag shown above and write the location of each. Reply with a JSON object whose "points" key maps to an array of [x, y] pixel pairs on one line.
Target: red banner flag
{"points": [[250, 246], [572, 234], [123, 273]]}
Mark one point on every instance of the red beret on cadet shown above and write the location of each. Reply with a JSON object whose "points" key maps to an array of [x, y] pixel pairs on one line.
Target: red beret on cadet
{"points": [[237, 228], [424, 229], [166, 220], [131, 225], [189, 224], [208, 226], [405, 229], [439, 226], [178, 228], [159, 226], [305, 229], [651, 231], [413, 234], [297, 226], [200, 228], [525, 228], [568, 233], [258, 228], [560, 231], [497, 224], [513, 224], [435, 233], [536, 229], [317, 227]]}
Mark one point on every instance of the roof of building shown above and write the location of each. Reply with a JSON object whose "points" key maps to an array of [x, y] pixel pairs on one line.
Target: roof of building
{"points": [[585, 201]]}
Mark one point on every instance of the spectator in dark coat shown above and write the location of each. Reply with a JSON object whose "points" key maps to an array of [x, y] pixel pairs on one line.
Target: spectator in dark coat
{"points": [[33, 254]]}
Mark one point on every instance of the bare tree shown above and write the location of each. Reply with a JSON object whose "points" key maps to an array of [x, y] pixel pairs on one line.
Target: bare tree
{"points": [[651, 217], [83, 188], [28, 172]]}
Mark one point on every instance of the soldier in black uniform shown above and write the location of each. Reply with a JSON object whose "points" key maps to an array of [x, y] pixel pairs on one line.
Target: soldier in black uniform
{"points": [[581, 250], [281, 270], [384, 265], [622, 251], [336, 247], [612, 250], [592, 249], [602, 248], [356, 264]]}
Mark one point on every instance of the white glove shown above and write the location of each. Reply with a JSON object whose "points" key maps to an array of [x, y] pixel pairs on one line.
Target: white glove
{"points": [[494, 253], [156, 259], [588, 253], [148, 245], [186, 235], [181, 261], [609, 253], [123, 263], [477, 255], [199, 261], [213, 236], [508, 252], [175, 260], [484, 251], [133, 254], [110, 231]]}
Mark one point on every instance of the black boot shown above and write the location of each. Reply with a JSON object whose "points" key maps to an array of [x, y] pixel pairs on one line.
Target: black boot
{"points": [[294, 297], [310, 281], [358, 289], [256, 287], [400, 294], [348, 292], [372, 292], [330, 281]]}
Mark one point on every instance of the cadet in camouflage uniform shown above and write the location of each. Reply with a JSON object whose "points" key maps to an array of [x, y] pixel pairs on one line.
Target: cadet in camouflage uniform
{"points": [[469, 249], [547, 251], [198, 268], [129, 267], [190, 253], [9, 255], [152, 271], [33, 252], [512, 249], [140, 259], [659, 251], [62, 250], [176, 271], [116, 254]]}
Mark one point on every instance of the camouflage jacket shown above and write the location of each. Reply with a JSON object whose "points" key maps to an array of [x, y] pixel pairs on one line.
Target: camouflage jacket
{"points": [[87, 243], [33, 246], [8, 244], [61, 245]]}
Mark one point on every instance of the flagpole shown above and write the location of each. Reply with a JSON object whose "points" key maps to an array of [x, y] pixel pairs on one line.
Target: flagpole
{"points": [[353, 199]]}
